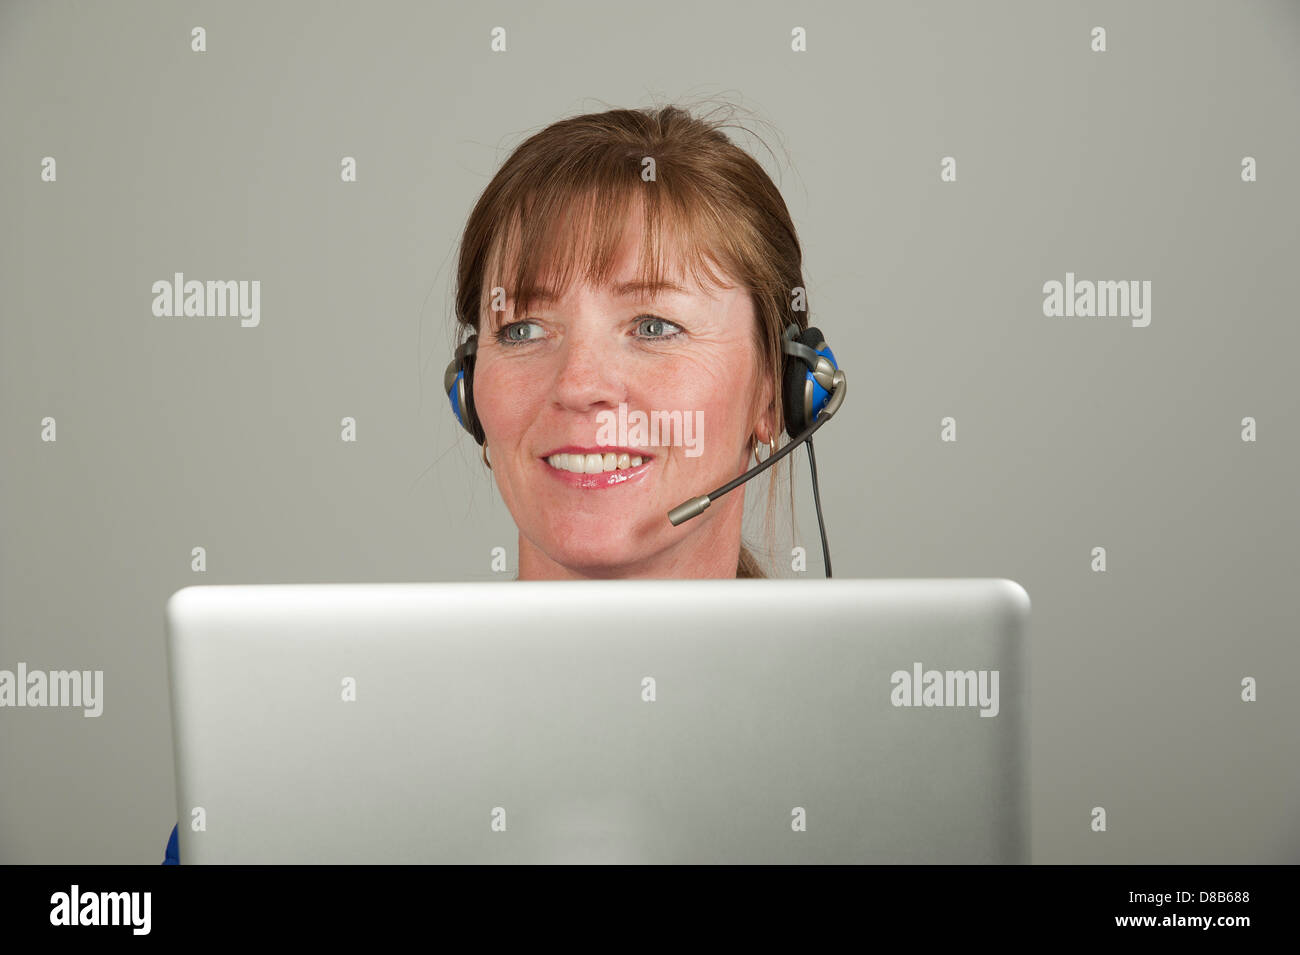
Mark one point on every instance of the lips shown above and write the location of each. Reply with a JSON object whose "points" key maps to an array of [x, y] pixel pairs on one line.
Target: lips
{"points": [[571, 468]]}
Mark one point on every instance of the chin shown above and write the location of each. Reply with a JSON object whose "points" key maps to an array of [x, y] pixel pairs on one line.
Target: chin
{"points": [[602, 547]]}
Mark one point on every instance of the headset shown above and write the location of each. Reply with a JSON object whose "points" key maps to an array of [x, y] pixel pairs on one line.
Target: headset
{"points": [[813, 388]]}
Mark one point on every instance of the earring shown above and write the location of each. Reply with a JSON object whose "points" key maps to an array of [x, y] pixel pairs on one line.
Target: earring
{"points": [[771, 446], [485, 457]]}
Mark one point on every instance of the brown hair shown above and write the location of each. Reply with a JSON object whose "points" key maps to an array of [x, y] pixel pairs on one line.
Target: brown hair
{"points": [[561, 200]]}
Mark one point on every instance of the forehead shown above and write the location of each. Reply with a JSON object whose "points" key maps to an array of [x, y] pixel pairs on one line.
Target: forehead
{"points": [[628, 281], [545, 260], [630, 289]]}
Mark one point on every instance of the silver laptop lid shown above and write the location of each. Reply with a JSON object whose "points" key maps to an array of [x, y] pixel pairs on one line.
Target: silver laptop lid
{"points": [[602, 721]]}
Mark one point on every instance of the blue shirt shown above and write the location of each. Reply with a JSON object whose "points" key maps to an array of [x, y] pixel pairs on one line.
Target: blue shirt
{"points": [[172, 854]]}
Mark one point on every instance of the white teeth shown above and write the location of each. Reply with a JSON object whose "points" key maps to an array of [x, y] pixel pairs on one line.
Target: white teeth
{"points": [[593, 463]]}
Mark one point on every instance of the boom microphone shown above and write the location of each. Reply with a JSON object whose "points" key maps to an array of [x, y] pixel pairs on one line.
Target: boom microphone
{"points": [[697, 505]]}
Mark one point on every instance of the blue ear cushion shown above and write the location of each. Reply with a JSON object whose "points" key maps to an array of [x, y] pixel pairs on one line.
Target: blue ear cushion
{"points": [[797, 378], [820, 394], [454, 397]]}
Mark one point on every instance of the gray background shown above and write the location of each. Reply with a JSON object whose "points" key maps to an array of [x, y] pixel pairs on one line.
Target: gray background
{"points": [[1073, 433]]}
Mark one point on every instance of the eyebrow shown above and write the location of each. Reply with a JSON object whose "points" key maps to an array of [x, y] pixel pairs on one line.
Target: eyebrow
{"points": [[621, 290]]}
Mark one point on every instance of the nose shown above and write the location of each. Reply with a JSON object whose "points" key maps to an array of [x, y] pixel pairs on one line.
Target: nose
{"points": [[590, 376]]}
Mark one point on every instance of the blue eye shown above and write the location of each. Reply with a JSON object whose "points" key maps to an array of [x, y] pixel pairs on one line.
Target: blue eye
{"points": [[506, 335], [658, 327]]}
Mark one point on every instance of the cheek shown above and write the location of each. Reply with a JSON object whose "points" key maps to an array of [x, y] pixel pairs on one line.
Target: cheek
{"points": [[721, 400], [504, 398]]}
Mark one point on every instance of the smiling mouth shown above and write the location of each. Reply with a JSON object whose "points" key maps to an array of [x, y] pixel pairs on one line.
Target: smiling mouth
{"points": [[576, 463]]}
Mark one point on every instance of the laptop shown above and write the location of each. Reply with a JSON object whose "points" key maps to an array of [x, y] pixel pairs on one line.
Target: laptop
{"points": [[620, 721]]}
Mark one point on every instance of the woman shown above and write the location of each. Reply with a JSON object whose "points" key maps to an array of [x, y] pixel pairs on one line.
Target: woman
{"points": [[622, 262], [625, 262]]}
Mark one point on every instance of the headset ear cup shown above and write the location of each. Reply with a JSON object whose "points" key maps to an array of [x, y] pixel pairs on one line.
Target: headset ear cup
{"points": [[458, 382], [796, 394], [469, 412]]}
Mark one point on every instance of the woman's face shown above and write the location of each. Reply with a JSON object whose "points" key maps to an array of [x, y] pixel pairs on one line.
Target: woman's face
{"points": [[605, 375]]}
